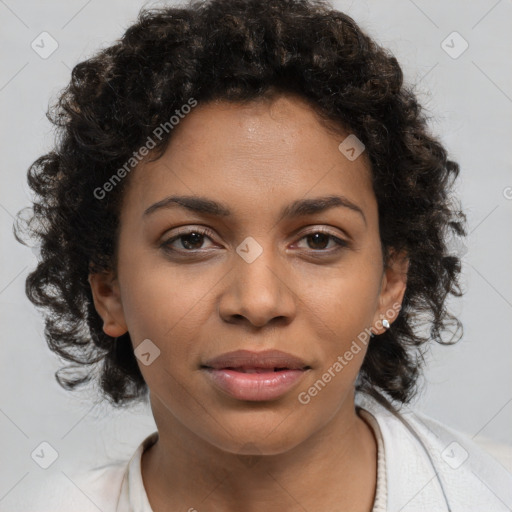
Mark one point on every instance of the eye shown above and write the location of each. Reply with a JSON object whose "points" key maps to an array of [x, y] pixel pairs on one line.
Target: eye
{"points": [[318, 239], [192, 239]]}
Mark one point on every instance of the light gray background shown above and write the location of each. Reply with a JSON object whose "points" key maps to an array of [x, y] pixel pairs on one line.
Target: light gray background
{"points": [[469, 386]]}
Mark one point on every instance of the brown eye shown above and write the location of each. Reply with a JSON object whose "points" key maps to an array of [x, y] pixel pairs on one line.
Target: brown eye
{"points": [[319, 240], [191, 240]]}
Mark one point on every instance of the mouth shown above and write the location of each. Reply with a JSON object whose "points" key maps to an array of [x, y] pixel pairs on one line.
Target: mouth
{"points": [[249, 369], [246, 361], [253, 376]]}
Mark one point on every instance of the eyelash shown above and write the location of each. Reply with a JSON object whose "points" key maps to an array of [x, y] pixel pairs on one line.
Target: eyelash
{"points": [[206, 232]]}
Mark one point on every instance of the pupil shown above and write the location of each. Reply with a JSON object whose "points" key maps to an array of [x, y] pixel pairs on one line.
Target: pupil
{"points": [[323, 237], [197, 237]]}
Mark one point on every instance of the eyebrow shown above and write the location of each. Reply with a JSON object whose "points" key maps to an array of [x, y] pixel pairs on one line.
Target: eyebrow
{"points": [[301, 207]]}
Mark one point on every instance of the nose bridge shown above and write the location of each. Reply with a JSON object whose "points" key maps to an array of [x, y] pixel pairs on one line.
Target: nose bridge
{"points": [[258, 289]]}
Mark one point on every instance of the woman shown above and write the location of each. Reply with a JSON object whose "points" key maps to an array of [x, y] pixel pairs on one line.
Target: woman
{"points": [[245, 221]]}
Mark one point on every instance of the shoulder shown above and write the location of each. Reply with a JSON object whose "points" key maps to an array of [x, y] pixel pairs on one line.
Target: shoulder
{"points": [[113, 486], [429, 464], [72, 491]]}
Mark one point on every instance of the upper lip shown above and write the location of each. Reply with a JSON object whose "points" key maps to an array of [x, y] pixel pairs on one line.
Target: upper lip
{"points": [[247, 359]]}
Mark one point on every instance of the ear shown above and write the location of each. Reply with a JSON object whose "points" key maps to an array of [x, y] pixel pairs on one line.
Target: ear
{"points": [[107, 301], [393, 285]]}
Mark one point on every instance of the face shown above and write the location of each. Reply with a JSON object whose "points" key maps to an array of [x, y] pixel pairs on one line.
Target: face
{"points": [[256, 273]]}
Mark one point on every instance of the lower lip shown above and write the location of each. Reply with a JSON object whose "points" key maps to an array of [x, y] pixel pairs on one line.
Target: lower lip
{"points": [[255, 386]]}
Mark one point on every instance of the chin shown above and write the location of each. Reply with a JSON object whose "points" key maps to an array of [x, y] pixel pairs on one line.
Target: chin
{"points": [[257, 433]]}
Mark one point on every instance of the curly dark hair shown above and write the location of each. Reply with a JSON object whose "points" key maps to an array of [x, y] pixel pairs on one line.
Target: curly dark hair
{"points": [[239, 51]]}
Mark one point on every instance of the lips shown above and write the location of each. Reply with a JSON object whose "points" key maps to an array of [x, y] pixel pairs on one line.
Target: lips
{"points": [[255, 376], [251, 369], [245, 360]]}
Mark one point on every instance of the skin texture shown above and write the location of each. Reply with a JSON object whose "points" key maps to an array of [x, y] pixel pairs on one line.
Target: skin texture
{"points": [[215, 452]]}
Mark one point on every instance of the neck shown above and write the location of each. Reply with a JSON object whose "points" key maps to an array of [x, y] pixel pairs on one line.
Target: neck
{"points": [[334, 469]]}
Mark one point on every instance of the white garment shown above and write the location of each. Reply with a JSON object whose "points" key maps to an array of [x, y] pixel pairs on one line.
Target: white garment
{"points": [[381, 492], [450, 473]]}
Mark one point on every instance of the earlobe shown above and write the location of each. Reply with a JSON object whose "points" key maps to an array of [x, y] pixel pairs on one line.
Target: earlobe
{"points": [[394, 284], [107, 302]]}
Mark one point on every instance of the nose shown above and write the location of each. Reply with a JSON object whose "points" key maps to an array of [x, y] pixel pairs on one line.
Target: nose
{"points": [[259, 292]]}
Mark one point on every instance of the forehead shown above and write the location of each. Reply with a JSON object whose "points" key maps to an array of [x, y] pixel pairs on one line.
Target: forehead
{"points": [[272, 149]]}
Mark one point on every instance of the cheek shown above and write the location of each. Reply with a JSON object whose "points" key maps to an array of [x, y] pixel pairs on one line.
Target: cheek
{"points": [[348, 298], [159, 297], [160, 307], [345, 305]]}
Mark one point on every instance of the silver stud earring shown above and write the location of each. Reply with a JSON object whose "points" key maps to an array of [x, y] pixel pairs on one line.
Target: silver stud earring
{"points": [[385, 323]]}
